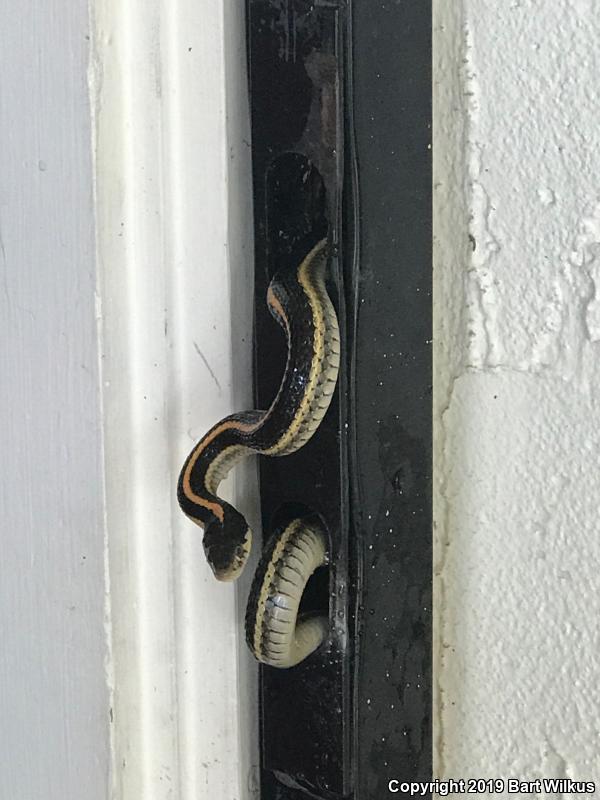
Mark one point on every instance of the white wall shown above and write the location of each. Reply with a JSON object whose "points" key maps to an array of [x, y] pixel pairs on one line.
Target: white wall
{"points": [[517, 388], [54, 703]]}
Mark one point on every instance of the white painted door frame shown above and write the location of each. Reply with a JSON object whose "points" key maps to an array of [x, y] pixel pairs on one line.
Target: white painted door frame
{"points": [[174, 223]]}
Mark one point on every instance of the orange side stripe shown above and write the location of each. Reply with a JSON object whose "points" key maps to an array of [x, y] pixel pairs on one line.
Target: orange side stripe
{"points": [[216, 508]]}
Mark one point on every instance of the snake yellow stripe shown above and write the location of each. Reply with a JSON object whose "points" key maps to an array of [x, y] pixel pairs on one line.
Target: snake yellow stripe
{"points": [[298, 300]]}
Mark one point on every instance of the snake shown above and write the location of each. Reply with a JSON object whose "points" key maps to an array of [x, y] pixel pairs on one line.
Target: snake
{"points": [[299, 302]]}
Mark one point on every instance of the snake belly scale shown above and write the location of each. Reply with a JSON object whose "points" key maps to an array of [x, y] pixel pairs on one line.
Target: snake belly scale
{"points": [[274, 632], [299, 302]]}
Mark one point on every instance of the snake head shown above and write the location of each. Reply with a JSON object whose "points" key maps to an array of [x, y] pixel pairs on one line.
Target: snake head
{"points": [[227, 544]]}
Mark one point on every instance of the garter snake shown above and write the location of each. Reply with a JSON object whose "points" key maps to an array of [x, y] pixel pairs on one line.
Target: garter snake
{"points": [[299, 302]]}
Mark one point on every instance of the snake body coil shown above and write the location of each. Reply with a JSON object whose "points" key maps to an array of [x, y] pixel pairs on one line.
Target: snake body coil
{"points": [[298, 300], [273, 632]]}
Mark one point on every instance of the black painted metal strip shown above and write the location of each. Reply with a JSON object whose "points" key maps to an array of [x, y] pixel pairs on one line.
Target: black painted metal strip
{"points": [[341, 126], [392, 392]]}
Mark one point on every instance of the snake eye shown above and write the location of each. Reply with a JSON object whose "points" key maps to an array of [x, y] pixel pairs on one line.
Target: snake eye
{"points": [[241, 553]]}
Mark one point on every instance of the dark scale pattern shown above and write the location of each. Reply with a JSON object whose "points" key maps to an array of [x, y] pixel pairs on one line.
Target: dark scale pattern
{"points": [[300, 354]]}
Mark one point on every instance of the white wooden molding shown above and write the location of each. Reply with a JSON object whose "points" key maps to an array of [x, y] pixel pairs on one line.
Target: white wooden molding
{"points": [[175, 255]]}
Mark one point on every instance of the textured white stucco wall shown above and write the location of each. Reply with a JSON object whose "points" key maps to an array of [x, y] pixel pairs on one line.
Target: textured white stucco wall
{"points": [[517, 380]]}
